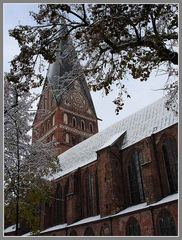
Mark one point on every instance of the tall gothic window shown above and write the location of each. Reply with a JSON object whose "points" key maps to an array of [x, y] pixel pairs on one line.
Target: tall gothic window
{"points": [[135, 178], [73, 233], [59, 204], [74, 123], [165, 224], [89, 232], [105, 230], [133, 227], [65, 118], [82, 124], [53, 120], [67, 138], [91, 127], [89, 194], [170, 154]]}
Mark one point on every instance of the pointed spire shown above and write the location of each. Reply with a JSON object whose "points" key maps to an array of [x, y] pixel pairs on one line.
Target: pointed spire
{"points": [[63, 72]]}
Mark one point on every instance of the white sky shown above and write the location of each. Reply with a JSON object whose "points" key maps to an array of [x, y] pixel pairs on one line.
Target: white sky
{"points": [[142, 93]]}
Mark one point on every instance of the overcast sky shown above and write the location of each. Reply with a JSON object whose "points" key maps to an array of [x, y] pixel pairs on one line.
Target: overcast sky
{"points": [[142, 93]]}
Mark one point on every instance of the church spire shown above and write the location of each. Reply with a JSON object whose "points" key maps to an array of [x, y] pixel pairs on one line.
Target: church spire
{"points": [[69, 114], [66, 69]]}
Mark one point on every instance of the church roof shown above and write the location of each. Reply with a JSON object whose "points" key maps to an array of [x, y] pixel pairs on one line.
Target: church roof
{"points": [[149, 120]]}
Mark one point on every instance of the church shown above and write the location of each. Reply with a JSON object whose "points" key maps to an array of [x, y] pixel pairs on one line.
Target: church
{"points": [[122, 181]]}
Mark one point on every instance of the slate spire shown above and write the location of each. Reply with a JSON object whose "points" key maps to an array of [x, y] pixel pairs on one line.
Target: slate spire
{"points": [[66, 69]]}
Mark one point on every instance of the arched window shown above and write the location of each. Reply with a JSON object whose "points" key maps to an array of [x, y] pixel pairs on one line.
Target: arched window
{"points": [[89, 232], [73, 140], [74, 123], [65, 118], [91, 127], [73, 233], [70, 182], [170, 155], [165, 224], [105, 230], [59, 205], [135, 178], [82, 124], [52, 137], [53, 120], [67, 138], [89, 194], [133, 227]]}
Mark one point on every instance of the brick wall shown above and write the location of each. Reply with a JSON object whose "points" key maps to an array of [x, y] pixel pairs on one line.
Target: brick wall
{"points": [[116, 226], [112, 195]]}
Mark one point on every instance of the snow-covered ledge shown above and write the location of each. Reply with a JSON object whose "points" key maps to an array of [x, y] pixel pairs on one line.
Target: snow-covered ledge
{"points": [[134, 208]]}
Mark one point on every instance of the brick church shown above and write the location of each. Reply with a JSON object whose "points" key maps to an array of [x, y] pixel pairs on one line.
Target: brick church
{"points": [[121, 181]]}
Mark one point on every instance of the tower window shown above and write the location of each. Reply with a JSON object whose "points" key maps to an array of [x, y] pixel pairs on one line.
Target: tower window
{"points": [[52, 137], [67, 138], [82, 124], [53, 120], [73, 140], [65, 118], [74, 123], [48, 125], [91, 127]]}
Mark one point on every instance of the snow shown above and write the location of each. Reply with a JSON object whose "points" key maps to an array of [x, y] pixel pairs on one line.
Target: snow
{"points": [[57, 227], [167, 199], [10, 229], [144, 205], [130, 209], [86, 220], [27, 234], [142, 124], [112, 140]]}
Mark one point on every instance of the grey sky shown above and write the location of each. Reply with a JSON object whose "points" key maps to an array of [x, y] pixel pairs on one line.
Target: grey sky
{"points": [[142, 93]]}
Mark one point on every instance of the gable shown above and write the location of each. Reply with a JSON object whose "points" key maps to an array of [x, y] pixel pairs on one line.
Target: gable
{"points": [[75, 99], [46, 104]]}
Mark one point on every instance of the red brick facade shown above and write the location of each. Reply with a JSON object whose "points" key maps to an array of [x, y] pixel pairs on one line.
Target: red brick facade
{"points": [[66, 124], [111, 192], [123, 192]]}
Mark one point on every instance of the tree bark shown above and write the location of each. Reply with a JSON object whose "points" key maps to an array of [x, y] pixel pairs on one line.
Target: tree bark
{"points": [[18, 171]]}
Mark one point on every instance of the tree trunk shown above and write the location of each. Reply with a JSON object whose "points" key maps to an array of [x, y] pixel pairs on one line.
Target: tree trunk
{"points": [[18, 171]]}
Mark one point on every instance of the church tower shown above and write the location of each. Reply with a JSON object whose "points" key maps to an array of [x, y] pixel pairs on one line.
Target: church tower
{"points": [[65, 110]]}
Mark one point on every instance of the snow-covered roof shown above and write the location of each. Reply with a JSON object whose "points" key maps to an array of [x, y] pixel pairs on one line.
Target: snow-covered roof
{"points": [[11, 228], [130, 209], [57, 227], [27, 234], [149, 120]]}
